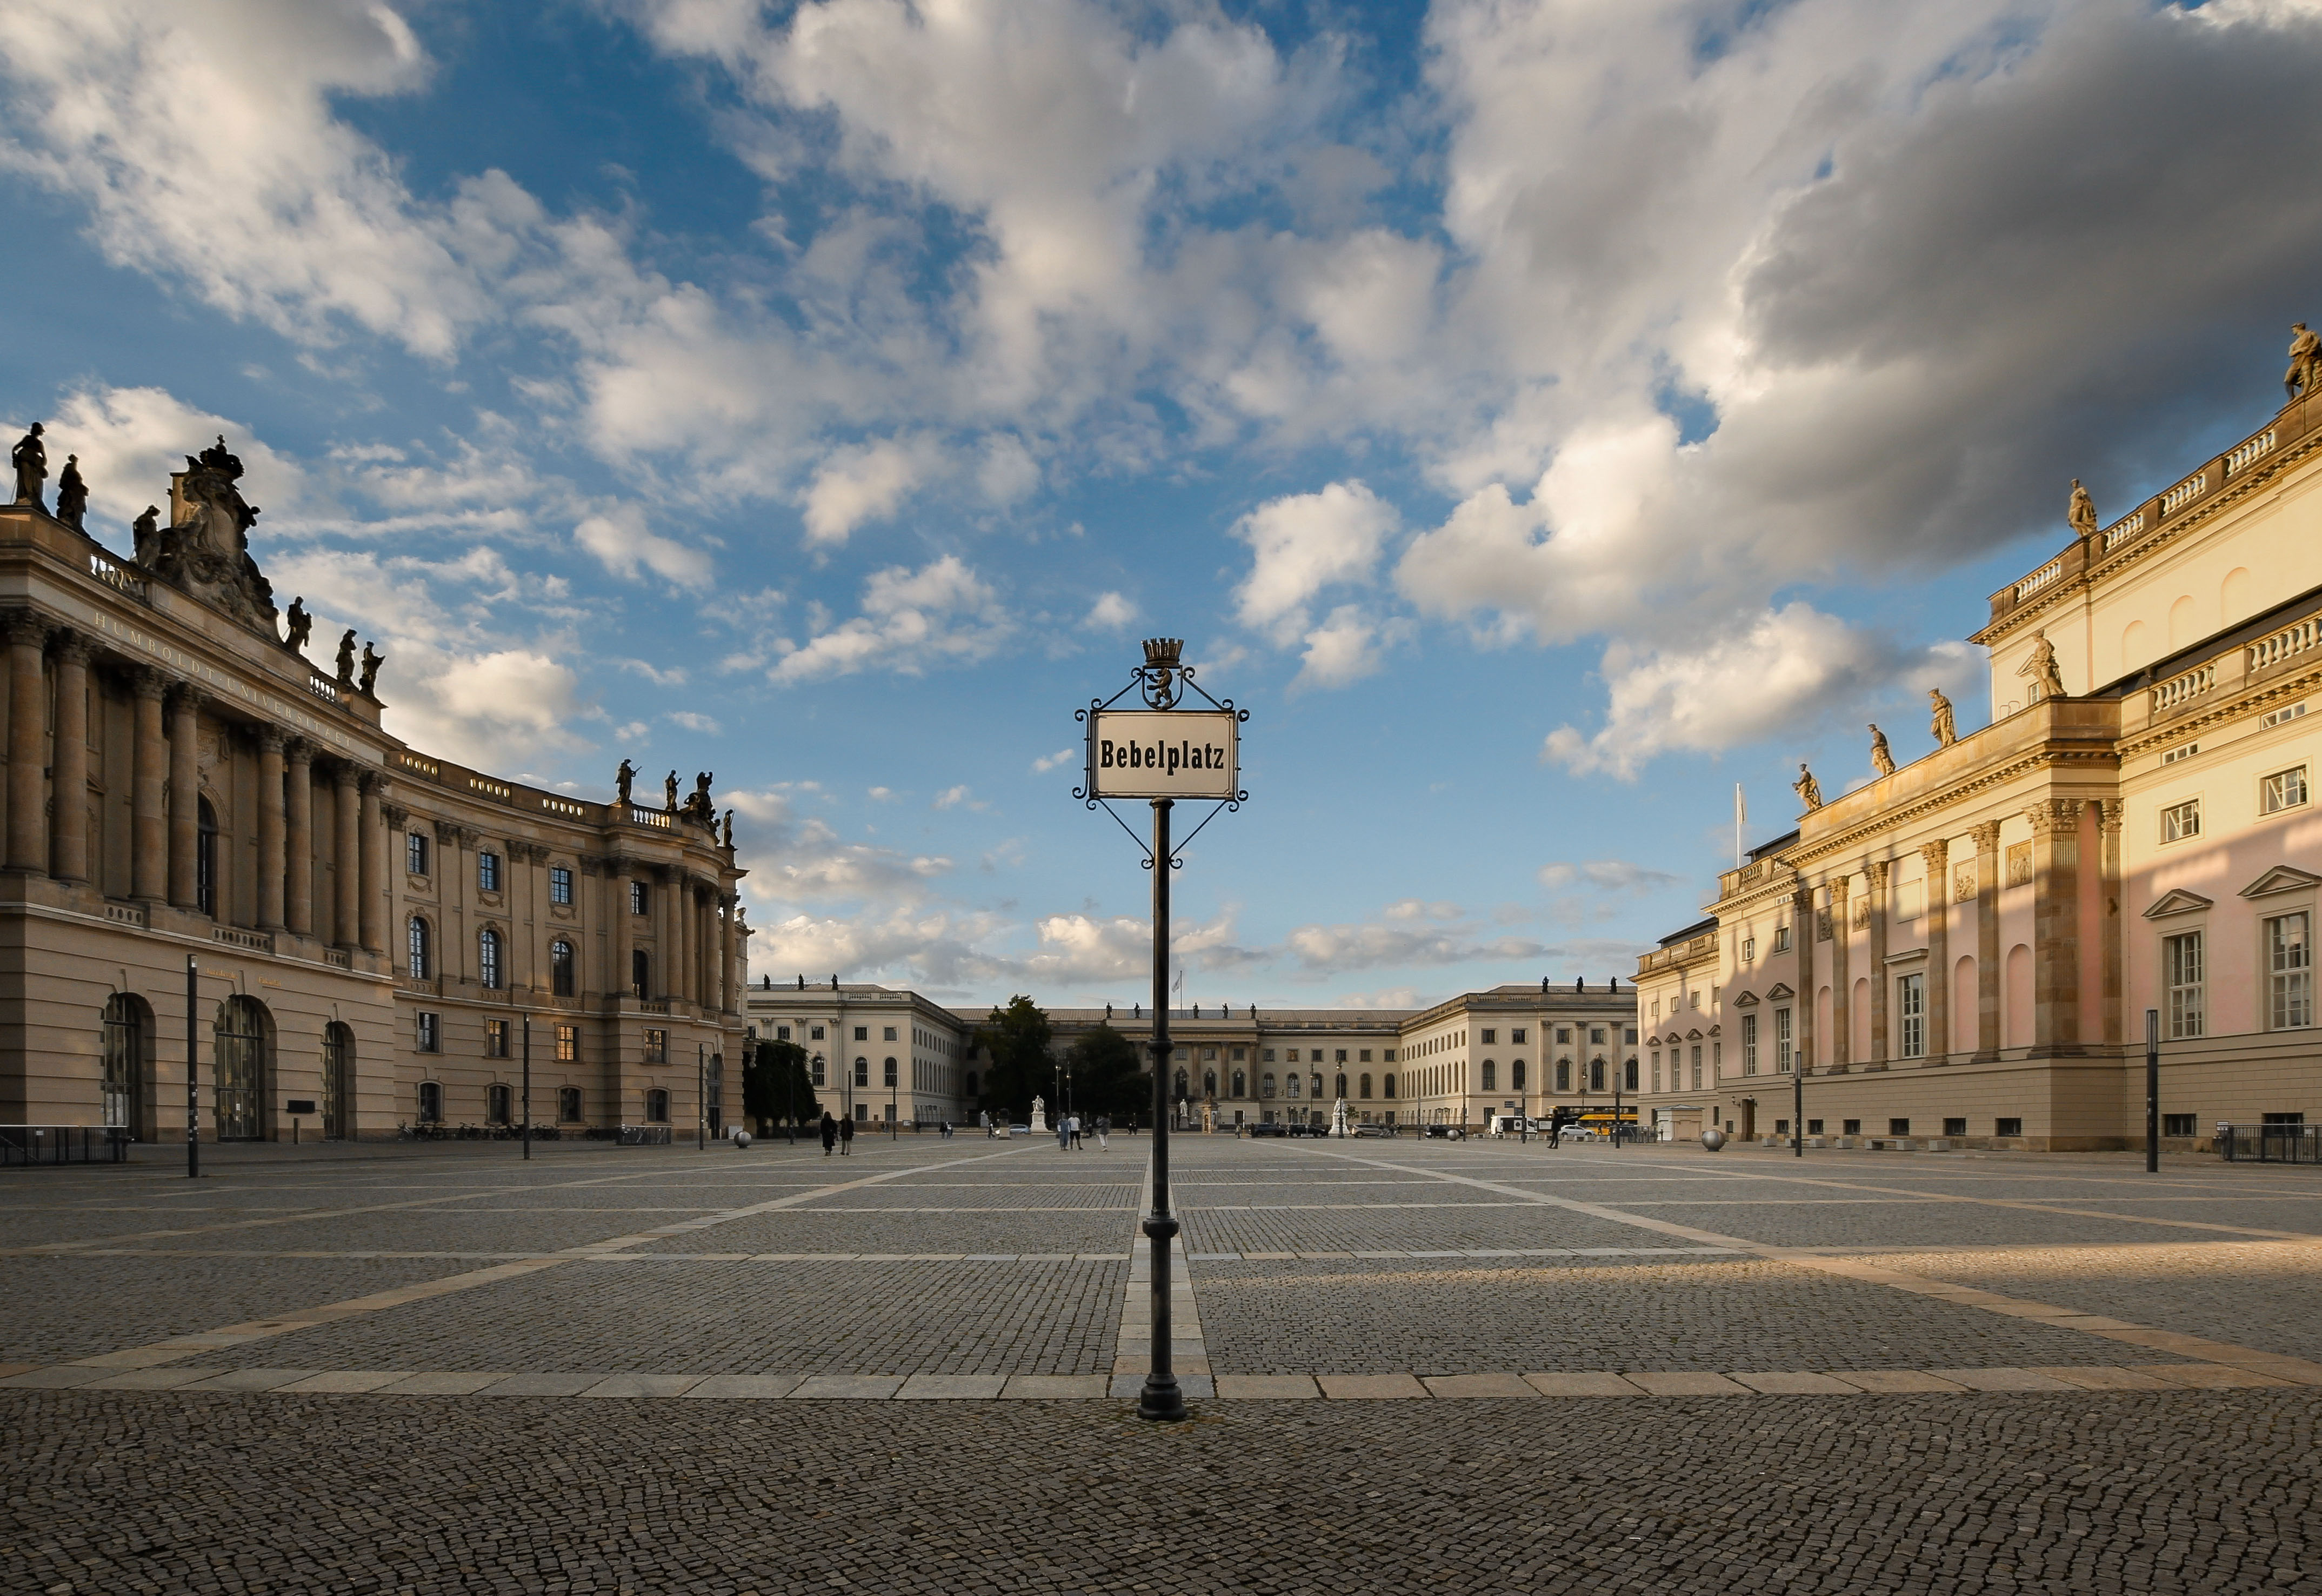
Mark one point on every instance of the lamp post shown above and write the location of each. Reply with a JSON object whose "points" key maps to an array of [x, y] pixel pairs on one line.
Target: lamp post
{"points": [[702, 1097], [2151, 1091], [193, 1072], [527, 1088], [818, 1063]]}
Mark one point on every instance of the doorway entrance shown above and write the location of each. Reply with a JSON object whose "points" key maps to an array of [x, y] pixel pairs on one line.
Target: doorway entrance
{"points": [[1748, 1119], [338, 1081], [242, 1034]]}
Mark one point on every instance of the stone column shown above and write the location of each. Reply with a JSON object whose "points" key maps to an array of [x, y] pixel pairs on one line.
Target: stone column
{"points": [[1987, 938], [1802, 1006], [271, 742], [705, 956], [185, 796], [726, 979], [2109, 821], [346, 856], [298, 839], [1841, 1041], [1881, 1043], [371, 849], [69, 763], [1937, 855], [2056, 923], [28, 742], [149, 824]]}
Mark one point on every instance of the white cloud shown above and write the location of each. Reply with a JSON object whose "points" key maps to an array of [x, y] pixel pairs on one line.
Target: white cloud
{"points": [[952, 797], [1050, 761], [693, 721], [1607, 875], [866, 483], [793, 858], [1110, 613], [621, 541], [1348, 646], [1304, 542], [943, 614]]}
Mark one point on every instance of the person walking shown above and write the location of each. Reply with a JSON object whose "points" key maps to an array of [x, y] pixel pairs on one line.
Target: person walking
{"points": [[829, 1133], [1103, 1126], [1073, 1127], [847, 1135], [1063, 1132]]}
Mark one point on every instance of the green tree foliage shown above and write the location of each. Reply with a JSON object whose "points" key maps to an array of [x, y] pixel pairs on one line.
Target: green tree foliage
{"points": [[1106, 1076], [1015, 1045], [775, 1084]]}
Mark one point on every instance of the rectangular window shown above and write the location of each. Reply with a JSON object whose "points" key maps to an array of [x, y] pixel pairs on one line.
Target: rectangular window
{"points": [[2182, 970], [1342, 1056], [488, 872], [2180, 1125], [2288, 712], [1749, 1045], [1490, 1037], [1954, 1127], [1783, 1056], [568, 1105], [889, 1035], [782, 1032], [1516, 1037], [568, 1044], [1814, 1128], [1388, 1057], [1850, 1128], [1696, 1065], [1899, 1127], [656, 1046], [560, 884], [1632, 1034], [1748, 949], [2179, 821], [1597, 1034], [430, 1032], [414, 854], [2007, 1127], [1657, 1067], [637, 897], [863, 1033], [817, 1035], [2285, 790], [2182, 751], [1911, 1008], [495, 1038], [1564, 1034], [1266, 1055], [2289, 971], [1781, 939]]}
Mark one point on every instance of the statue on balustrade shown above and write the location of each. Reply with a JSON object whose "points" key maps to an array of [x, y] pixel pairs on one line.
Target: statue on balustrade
{"points": [[146, 532], [205, 551], [347, 658], [301, 625], [698, 806], [1809, 790], [372, 661], [2305, 363], [31, 459], [2081, 511], [622, 778], [1882, 758], [2047, 681], [1946, 724], [729, 828], [669, 793], [72, 495]]}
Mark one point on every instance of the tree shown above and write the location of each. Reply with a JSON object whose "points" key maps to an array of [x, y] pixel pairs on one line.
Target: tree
{"points": [[1106, 1077], [1016, 1040], [775, 1085]]}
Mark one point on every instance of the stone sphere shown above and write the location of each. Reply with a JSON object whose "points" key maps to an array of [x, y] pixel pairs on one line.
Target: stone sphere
{"points": [[741, 1138], [1712, 1138]]}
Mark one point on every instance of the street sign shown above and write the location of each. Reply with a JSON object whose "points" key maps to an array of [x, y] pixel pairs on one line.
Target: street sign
{"points": [[1172, 753]]}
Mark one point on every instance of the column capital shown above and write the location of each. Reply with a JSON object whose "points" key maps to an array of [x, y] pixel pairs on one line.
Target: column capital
{"points": [[148, 681], [1986, 834], [77, 648], [1936, 853], [272, 739], [2111, 812], [375, 784], [1876, 870], [187, 698], [298, 751], [345, 773], [395, 815], [2055, 817], [25, 626], [1841, 885]]}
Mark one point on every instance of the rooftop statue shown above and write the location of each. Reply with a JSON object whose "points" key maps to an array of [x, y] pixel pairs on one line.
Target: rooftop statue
{"points": [[301, 625], [205, 551], [1946, 724], [669, 803], [2081, 511], [1882, 758], [729, 828], [2305, 364], [347, 658], [2041, 667], [372, 661], [72, 495], [1809, 790], [622, 778], [31, 459], [147, 532]]}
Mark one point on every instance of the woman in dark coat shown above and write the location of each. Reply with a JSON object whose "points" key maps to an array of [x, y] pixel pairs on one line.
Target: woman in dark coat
{"points": [[830, 1134]]}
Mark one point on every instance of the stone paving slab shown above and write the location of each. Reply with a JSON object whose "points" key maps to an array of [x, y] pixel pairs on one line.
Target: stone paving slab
{"points": [[251, 1380], [1771, 1383], [1684, 1383], [644, 1385], [343, 1383], [951, 1387], [2001, 1379], [441, 1382], [1582, 1384], [1368, 1386], [744, 1387], [855, 1387]]}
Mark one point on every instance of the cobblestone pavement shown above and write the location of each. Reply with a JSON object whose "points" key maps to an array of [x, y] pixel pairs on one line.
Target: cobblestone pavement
{"points": [[1893, 1340]]}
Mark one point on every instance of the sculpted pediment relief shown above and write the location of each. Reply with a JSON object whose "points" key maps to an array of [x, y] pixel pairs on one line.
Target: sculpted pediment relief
{"points": [[2177, 902], [1746, 1000], [2282, 878], [1781, 990]]}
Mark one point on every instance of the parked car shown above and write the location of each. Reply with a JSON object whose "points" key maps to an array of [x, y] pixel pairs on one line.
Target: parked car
{"points": [[1266, 1127], [1374, 1130]]}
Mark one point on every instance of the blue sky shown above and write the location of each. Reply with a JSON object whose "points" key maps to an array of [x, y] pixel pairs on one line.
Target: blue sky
{"points": [[1541, 417]]}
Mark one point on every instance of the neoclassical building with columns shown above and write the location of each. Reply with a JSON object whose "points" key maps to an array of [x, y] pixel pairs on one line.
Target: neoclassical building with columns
{"points": [[373, 932], [1965, 949]]}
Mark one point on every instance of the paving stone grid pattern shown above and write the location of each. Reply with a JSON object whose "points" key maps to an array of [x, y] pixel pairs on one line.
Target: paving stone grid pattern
{"points": [[595, 1372]]}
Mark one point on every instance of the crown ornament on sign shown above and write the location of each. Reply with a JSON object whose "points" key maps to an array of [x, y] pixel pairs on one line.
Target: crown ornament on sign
{"points": [[1161, 670], [1162, 654]]}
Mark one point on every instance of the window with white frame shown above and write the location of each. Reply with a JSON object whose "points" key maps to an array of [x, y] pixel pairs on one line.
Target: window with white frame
{"points": [[2179, 821], [2181, 970], [2285, 790], [1749, 1045], [414, 853], [1783, 1057], [1781, 939], [2289, 971], [560, 884], [1911, 1009], [488, 872]]}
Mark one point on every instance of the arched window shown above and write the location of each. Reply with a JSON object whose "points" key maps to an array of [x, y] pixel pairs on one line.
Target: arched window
{"points": [[417, 956], [1316, 1080], [861, 1071], [497, 1104], [431, 1102], [1363, 1085], [1388, 1087], [1564, 1074], [889, 1079], [640, 972], [1181, 1083], [1516, 1076], [1241, 1081], [657, 1105], [1294, 1080], [488, 959], [205, 881], [1629, 1074], [338, 1081], [568, 1105], [560, 968], [127, 1035], [1266, 1084], [819, 1071], [1596, 1074], [713, 1090], [240, 1039], [1491, 1076]]}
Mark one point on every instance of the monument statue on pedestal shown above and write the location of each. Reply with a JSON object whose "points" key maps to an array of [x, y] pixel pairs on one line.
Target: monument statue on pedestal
{"points": [[2305, 363], [1338, 1118], [146, 530], [2081, 511], [669, 793], [31, 459], [621, 779], [72, 495], [2041, 667], [347, 658], [1946, 724], [372, 661], [205, 551], [1809, 790], [1040, 1117], [300, 624]]}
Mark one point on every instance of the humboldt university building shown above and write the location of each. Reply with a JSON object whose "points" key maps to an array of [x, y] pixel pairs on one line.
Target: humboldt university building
{"points": [[373, 935], [1965, 949]]}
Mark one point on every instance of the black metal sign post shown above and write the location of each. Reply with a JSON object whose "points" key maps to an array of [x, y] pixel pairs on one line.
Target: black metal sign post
{"points": [[527, 1088], [193, 1072], [1798, 1108], [1162, 753], [2151, 1091]]}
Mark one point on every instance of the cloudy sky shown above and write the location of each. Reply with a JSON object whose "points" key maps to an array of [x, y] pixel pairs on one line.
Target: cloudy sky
{"points": [[1542, 414]]}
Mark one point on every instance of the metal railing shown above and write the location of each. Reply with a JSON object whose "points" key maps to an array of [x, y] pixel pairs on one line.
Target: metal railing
{"points": [[63, 1143], [2271, 1143]]}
